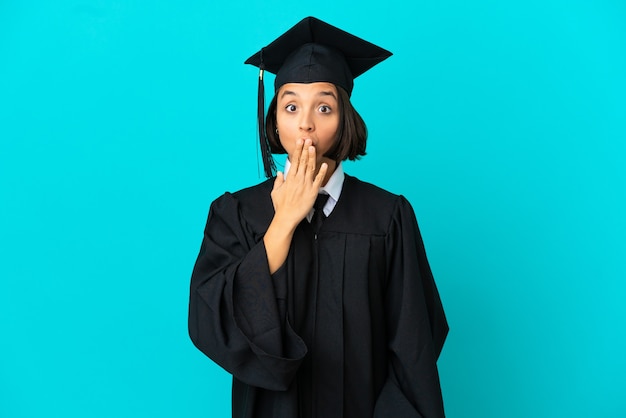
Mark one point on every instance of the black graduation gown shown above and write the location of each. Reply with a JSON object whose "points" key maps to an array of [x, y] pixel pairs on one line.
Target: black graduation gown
{"points": [[350, 326]]}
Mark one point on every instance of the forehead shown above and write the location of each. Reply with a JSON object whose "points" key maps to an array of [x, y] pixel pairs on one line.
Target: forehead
{"points": [[305, 90]]}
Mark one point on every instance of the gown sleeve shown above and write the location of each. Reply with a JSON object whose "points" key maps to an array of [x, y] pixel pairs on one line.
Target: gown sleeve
{"points": [[416, 325], [237, 309]]}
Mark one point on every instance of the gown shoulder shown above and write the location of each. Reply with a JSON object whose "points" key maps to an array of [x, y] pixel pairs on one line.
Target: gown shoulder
{"points": [[366, 209]]}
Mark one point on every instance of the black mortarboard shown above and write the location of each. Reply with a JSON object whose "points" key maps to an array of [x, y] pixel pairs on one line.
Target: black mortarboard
{"points": [[312, 51]]}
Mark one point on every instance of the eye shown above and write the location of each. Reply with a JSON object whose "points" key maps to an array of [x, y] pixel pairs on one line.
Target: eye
{"points": [[290, 108], [324, 109]]}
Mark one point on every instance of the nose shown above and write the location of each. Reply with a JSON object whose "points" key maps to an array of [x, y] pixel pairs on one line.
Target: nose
{"points": [[306, 122]]}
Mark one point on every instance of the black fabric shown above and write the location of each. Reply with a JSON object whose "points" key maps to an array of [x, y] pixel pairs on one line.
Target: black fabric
{"points": [[350, 326], [313, 50], [318, 212]]}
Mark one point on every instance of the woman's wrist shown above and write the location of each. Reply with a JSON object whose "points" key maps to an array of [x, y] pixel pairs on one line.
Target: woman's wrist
{"points": [[277, 241]]}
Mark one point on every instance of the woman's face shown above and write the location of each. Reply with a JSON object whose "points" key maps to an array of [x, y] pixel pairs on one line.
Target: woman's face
{"points": [[307, 111]]}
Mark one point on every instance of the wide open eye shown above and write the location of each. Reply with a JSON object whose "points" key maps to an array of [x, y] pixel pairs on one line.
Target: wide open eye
{"points": [[290, 108], [324, 109]]}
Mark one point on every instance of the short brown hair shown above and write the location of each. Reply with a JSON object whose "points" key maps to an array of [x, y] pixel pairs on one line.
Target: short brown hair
{"points": [[351, 135]]}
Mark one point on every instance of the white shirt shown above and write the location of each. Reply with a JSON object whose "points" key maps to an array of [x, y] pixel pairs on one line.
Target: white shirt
{"points": [[332, 188]]}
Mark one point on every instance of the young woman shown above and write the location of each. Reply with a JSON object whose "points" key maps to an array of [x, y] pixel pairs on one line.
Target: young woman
{"points": [[313, 288]]}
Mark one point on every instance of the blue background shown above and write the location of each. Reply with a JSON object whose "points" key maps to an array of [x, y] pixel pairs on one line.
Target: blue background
{"points": [[120, 121]]}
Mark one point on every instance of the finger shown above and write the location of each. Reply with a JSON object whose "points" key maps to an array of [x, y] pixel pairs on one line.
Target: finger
{"points": [[304, 156], [311, 163], [280, 179], [321, 174], [295, 161]]}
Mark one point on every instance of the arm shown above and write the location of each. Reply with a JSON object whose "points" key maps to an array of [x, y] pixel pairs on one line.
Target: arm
{"points": [[235, 312], [237, 303], [416, 325], [293, 198]]}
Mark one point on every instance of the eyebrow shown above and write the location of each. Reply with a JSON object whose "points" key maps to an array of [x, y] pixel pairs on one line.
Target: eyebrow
{"points": [[287, 93], [321, 93], [327, 93]]}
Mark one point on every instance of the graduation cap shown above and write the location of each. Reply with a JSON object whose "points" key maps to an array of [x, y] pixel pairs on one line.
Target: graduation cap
{"points": [[311, 51]]}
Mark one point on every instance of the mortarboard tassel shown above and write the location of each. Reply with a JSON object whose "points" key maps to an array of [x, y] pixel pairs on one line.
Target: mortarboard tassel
{"points": [[266, 154]]}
